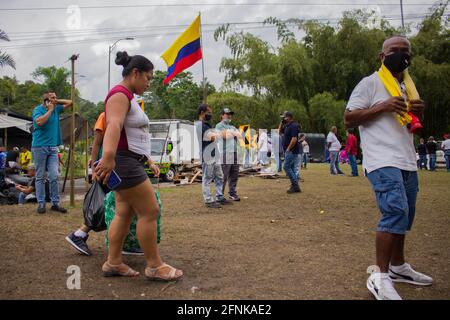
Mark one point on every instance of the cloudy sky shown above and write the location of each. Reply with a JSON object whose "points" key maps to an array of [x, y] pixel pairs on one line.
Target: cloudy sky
{"points": [[48, 32]]}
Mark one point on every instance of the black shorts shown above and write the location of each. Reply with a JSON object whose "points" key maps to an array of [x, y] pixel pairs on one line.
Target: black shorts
{"points": [[130, 169]]}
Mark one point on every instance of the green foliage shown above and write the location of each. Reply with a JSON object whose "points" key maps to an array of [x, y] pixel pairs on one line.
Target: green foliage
{"points": [[313, 76], [5, 58], [180, 99], [55, 79]]}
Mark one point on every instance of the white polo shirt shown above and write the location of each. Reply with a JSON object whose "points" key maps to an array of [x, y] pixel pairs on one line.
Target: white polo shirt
{"points": [[384, 142]]}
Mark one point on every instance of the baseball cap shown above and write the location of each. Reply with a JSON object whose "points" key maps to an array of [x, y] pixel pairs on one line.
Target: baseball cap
{"points": [[287, 114], [227, 111]]}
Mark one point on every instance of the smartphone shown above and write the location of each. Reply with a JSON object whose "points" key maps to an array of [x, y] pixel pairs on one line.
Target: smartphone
{"points": [[114, 179]]}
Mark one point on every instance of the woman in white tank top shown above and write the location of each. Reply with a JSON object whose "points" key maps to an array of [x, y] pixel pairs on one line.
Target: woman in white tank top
{"points": [[126, 146]]}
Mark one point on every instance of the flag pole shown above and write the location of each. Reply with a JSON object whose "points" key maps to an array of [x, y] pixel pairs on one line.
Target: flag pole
{"points": [[205, 89]]}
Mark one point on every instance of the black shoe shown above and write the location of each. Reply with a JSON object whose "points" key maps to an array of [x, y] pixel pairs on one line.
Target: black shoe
{"points": [[234, 198], [57, 208], [79, 243], [213, 205], [41, 209], [133, 252], [295, 188], [224, 202]]}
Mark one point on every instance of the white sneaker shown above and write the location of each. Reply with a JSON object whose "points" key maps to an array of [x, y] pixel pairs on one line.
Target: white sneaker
{"points": [[381, 286], [408, 275]]}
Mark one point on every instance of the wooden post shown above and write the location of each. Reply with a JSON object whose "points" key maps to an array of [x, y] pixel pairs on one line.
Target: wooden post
{"points": [[86, 150], [72, 135], [6, 139]]}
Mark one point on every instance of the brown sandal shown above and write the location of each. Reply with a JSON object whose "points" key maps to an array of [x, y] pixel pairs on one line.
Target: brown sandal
{"points": [[110, 270], [154, 274]]}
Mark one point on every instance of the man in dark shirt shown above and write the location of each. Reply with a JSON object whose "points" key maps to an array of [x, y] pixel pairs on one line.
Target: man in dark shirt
{"points": [[291, 150], [431, 150], [422, 151], [211, 168]]}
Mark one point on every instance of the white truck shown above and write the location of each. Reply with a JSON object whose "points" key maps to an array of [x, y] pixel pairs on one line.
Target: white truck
{"points": [[173, 143]]}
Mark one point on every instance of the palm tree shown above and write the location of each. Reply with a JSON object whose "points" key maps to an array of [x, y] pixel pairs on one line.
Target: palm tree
{"points": [[6, 59]]}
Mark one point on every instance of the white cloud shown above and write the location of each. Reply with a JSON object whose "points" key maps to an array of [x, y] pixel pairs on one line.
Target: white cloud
{"points": [[93, 63]]}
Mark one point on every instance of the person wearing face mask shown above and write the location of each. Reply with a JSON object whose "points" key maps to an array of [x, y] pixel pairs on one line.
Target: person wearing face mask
{"points": [[389, 161], [228, 151], [211, 168]]}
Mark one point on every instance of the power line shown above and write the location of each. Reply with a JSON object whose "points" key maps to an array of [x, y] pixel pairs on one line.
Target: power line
{"points": [[217, 4], [146, 35], [22, 36]]}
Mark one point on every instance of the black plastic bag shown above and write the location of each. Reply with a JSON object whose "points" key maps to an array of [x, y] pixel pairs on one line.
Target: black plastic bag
{"points": [[94, 209]]}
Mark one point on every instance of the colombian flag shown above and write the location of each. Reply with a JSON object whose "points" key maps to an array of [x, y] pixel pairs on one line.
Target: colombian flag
{"points": [[184, 52]]}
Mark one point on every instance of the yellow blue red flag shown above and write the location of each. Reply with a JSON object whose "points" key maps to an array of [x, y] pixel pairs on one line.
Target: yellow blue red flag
{"points": [[184, 52]]}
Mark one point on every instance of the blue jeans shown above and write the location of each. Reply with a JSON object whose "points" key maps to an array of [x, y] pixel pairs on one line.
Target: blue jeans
{"points": [[334, 162], [46, 159], [22, 197], [353, 165], [291, 164], [396, 193], [305, 159], [280, 162], [212, 172], [447, 159], [423, 161], [432, 162]]}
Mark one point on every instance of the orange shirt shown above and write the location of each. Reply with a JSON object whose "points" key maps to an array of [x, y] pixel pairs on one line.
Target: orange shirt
{"points": [[100, 125]]}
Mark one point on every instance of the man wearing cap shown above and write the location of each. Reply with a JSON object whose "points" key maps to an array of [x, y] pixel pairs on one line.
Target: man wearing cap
{"points": [[291, 148], [211, 168], [30, 188], [46, 139], [228, 151]]}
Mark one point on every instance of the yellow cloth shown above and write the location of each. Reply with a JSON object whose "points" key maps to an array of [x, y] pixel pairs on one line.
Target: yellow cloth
{"points": [[394, 90], [25, 158]]}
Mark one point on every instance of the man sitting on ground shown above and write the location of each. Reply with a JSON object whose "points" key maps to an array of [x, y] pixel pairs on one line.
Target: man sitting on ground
{"points": [[25, 191]]}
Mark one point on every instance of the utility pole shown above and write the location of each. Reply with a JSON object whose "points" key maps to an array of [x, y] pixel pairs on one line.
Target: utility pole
{"points": [[72, 134], [86, 150], [403, 21]]}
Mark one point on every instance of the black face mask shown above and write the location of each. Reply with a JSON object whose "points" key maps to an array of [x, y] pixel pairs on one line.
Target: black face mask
{"points": [[208, 117], [397, 62]]}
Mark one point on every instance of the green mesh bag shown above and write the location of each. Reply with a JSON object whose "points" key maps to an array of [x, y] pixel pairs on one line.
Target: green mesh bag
{"points": [[131, 241]]}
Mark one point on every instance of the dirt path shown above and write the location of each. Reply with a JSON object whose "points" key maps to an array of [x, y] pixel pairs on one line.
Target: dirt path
{"points": [[268, 246]]}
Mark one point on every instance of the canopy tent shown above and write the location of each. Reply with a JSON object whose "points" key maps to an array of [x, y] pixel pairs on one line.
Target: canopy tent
{"points": [[17, 130], [9, 122]]}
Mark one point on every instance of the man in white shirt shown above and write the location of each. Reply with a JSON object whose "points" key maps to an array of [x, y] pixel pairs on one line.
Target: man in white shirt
{"points": [[446, 148], [389, 160], [334, 146]]}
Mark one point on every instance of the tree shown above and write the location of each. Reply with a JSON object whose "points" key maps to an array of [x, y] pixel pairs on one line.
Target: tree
{"points": [[55, 79], [180, 99], [5, 58], [315, 74]]}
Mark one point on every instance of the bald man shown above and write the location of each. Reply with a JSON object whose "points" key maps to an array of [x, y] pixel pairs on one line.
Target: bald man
{"points": [[389, 161]]}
